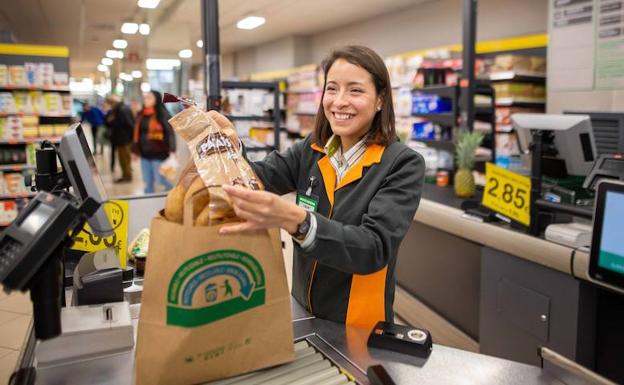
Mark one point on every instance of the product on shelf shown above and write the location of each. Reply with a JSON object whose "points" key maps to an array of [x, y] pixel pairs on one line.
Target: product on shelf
{"points": [[11, 128], [8, 211], [519, 90], [306, 78], [17, 76], [4, 75], [30, 127], [7, 103], [23, 102], [430, 104], [60, 129], [53, 103], [519, 63], [46, 130], [14, 183], [61, 79]]}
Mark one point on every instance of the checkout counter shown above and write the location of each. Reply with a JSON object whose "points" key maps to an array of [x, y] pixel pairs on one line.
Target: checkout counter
{"points": [[341, 345]]}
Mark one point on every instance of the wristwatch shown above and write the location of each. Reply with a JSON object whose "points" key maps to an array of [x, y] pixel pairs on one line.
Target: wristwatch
{"points": [[303, 228]]}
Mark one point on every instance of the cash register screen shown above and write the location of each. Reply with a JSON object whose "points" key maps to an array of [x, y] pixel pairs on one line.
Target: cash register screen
{"points": [[611, 246], [37, 218]]}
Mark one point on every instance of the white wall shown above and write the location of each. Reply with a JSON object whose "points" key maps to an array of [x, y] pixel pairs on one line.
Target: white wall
{"points": [[425, 25]]}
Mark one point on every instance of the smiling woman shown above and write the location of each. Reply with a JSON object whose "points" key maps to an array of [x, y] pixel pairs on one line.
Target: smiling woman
{"points": [[348, 228]]}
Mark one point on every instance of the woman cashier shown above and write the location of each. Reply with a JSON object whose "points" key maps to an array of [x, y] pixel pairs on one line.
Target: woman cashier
{"points": [[357, 191]]}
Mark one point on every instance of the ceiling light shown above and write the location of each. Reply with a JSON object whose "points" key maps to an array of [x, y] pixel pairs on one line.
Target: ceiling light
{"points": [[144, 29], [137, 74], [200, 44], [250, 22], [120, 43], [107, 61], [102, 68], [111, 53], [129, 28], [148, 3], [145, 87], [120, 54], [185, 53], [161, 64]]}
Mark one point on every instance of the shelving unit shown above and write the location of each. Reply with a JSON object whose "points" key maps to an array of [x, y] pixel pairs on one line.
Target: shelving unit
{"points": [[275, 117], [35, 105]]}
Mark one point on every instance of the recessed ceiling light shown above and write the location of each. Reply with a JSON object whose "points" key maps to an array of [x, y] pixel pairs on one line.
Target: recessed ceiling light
{"points": [[129, 28], [250, 22], [185, 53], [107, 61], [144, 29], [148, 3], [111, 53], [145, 87], [120, 43], [125, 77], [200, 43], [102, 68], [162, 64], [120, 54], [137, 74]]}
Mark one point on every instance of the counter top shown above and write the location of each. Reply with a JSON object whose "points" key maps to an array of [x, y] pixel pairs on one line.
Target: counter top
{"points": [[450, 219]]}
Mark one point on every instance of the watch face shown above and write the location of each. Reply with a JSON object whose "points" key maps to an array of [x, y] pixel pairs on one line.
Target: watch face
{"points": [[303, 228]]}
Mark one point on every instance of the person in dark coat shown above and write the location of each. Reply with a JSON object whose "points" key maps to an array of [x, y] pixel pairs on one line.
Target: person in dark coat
{"points": [[95, 117], [154, 140], [120, 122]]}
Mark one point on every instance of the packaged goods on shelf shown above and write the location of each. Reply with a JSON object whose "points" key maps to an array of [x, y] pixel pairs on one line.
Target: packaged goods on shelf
{"points": [[67, 104], [519, 90], [4, 75], [7, 103], [46, 74], [12, 155], [53, 103], [46, 130], [305, 79], [308, 102], [31, 156], [248, 102], [61, 79], [403, 101], [519, 63], [38, 102], [17, 76], [32, 74], [60, 129], [23, 102], [424, 130], [503, 114], [430, 104], [262, 134], [8, 211], [30, 127], [14, 183], [11, 128]]}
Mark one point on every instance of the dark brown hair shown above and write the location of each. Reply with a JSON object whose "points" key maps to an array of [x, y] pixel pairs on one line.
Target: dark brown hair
{"points": [[382, 129]]}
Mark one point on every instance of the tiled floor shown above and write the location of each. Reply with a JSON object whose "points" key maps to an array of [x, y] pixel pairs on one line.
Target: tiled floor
{"points": [[15, 319]]}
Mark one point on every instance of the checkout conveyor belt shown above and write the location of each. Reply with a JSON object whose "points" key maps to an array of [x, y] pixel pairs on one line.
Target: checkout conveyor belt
{"points": [[310, 367]]}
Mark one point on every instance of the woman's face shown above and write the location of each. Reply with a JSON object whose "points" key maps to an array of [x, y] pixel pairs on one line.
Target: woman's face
{"points": [[149, 100], [350, 101]]}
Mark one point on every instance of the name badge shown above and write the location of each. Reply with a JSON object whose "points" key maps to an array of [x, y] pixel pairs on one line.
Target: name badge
{"points": [[308, 202]]}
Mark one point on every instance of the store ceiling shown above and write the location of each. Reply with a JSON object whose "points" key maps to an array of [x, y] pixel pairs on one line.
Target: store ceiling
{"points": [[88, 27]]}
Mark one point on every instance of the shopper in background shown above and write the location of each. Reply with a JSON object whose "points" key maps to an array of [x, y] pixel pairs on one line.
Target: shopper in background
{"points": [[154, 140], [119, 120], [95, 117], [357, 187]]}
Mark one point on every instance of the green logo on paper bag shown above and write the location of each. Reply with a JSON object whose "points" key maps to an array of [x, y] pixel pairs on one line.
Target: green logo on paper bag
{"points": [[214, 286]]}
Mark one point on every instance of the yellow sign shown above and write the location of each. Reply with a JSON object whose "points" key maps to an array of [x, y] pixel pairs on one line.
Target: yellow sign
{"points": [[507, 193], [117, 212]]}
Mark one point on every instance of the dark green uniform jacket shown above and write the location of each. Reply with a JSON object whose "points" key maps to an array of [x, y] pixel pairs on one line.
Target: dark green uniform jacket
{"points": [[347, 274]]}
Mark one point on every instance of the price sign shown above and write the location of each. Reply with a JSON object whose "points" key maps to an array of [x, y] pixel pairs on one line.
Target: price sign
{"points": [[507, 193], [117, 213]]}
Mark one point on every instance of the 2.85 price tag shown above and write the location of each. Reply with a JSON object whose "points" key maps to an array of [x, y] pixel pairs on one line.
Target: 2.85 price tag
{"points": [[507, 193]]}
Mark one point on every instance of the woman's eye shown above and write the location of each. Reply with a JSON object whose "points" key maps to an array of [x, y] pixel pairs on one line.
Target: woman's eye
{"points": [[357, 91], [330, 88]]}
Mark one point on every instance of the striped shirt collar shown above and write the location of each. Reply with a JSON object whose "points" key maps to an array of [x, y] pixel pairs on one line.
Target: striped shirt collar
{"points": [[343, 162]]}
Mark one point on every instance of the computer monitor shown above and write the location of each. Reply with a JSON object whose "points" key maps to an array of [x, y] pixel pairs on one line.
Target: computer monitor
{"points": [[80, 167], [608, 130], [574, 137], [606, 262]]}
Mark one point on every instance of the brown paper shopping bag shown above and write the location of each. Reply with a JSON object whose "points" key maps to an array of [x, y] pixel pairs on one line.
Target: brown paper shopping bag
{"points": [[212, 306]]}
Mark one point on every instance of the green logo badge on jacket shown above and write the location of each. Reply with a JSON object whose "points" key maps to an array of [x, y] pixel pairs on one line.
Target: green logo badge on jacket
{"points": [[214, 286]]}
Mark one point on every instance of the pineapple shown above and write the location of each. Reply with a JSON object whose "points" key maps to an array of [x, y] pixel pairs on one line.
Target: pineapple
{"points": [[465, 146]]}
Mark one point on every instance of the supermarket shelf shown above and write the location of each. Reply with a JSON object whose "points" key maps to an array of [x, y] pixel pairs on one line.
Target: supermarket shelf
{"points": [[442, 91], [521, 76], [249, 85], [32, 140], [447, 145], [3, 114], [305, 113], [528, 102], [18, 195], [304, 91], [260, 148], [34, 88], [446, 119], [250, 117], [16, 167]]}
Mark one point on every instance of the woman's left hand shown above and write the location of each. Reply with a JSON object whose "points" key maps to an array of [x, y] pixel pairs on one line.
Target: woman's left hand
{"points": [[262, 210]]}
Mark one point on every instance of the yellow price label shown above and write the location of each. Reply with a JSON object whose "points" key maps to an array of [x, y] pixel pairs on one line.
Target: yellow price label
{"points": [[507, 193], [117, 213]]}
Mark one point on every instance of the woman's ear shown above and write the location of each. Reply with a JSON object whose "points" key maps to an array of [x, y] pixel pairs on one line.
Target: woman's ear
{"points": [[379, 103]]}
